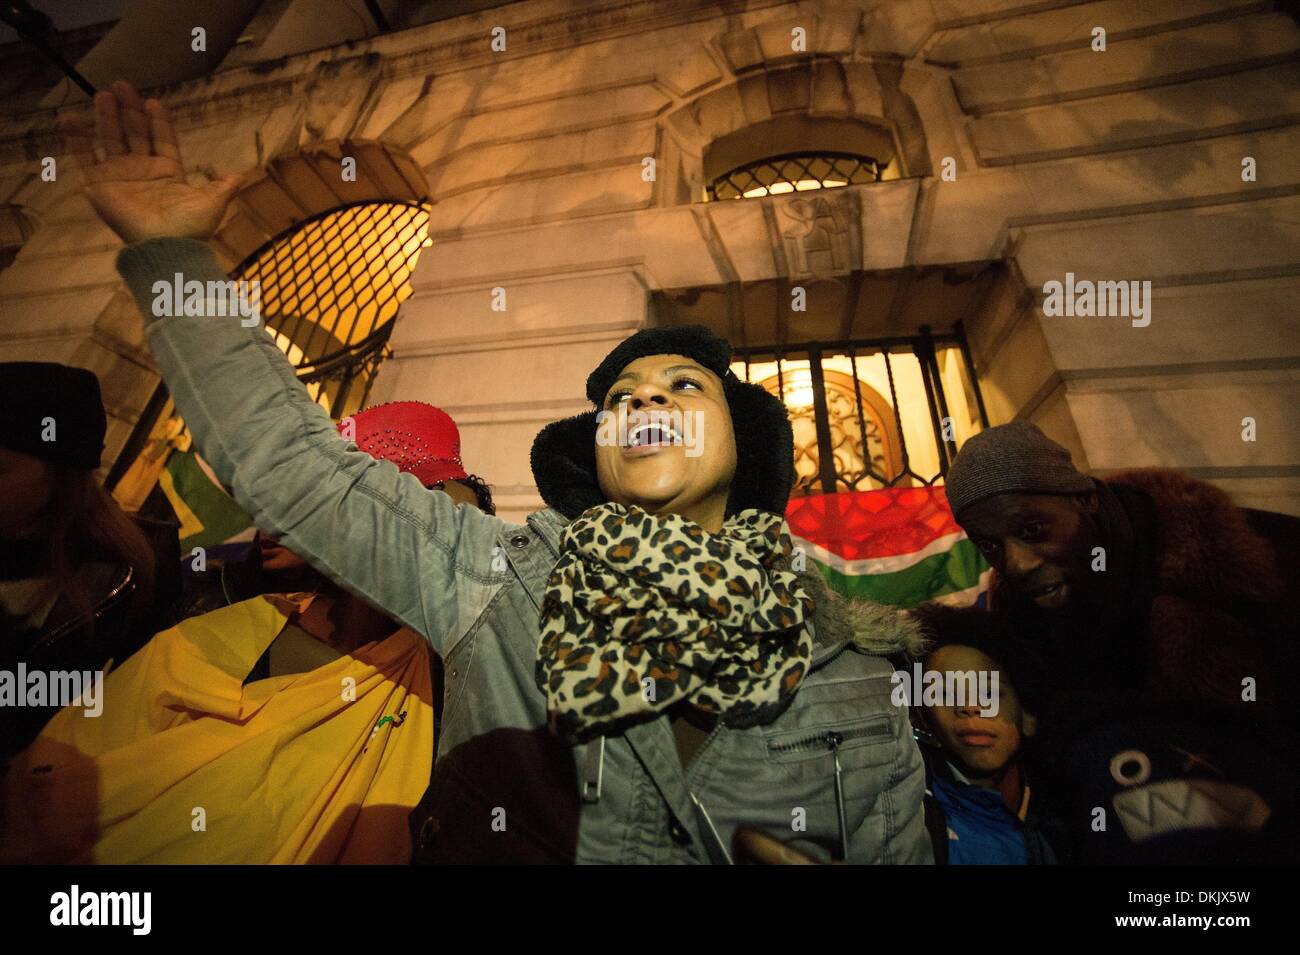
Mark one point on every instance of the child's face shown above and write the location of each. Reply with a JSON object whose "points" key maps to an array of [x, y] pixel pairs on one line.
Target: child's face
{"points": [[979, 745]]}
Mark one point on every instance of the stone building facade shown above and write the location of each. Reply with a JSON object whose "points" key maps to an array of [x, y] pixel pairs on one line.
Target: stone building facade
{"points": [[1016, 149]]}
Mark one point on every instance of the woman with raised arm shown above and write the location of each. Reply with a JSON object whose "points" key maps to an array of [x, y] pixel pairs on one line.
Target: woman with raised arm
{"points": [[631, 676]]}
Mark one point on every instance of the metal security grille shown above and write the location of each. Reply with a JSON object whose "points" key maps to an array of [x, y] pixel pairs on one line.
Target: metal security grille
{"points": [[330, 290], [795, 172], [852, 436]]}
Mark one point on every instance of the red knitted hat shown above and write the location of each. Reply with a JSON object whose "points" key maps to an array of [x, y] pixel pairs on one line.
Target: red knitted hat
{"points": [[419, 438]]}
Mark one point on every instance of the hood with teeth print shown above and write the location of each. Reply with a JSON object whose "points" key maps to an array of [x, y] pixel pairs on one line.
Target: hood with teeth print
{"points": [[564, 452], [1194, 785]]}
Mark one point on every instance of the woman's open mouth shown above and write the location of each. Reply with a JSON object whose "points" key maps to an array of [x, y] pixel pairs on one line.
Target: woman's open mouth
{"points": [[650, 439]]}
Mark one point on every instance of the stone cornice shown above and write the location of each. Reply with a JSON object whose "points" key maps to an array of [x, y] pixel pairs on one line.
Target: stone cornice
{"points": [[422, 50]]}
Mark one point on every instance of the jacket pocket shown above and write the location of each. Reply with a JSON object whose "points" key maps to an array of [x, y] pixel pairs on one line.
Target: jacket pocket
{"points": [[798, 745], [859, 739]]}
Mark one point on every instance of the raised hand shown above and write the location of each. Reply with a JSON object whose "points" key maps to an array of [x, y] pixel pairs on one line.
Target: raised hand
{"points": [[128, 153]]}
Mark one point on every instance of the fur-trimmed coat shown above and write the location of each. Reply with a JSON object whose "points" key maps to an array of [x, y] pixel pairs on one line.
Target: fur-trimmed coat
{"points": [[1219, 591], [1216, 594], [873, 628]]}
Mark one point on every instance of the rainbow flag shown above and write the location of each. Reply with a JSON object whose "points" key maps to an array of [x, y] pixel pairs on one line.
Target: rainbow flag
{"points": [[897, 546]]}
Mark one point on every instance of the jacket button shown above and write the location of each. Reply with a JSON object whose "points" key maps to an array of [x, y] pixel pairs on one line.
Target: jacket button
{"points": [[678, 833], [519, 540]]}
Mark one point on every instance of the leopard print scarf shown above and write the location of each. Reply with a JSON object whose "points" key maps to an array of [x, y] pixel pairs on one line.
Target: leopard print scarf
{"points": [[644, 611]]}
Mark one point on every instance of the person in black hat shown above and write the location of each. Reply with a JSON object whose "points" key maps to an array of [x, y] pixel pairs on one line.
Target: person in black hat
{"points": [[78, 576], [1147, 581]]}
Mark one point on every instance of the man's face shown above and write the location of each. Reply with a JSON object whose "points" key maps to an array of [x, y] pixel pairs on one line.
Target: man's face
{"points": [[663, 478], [981, 746], [1041, 545]]}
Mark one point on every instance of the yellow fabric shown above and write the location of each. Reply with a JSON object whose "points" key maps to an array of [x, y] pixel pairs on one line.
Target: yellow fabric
{"points": [[286, 769]]}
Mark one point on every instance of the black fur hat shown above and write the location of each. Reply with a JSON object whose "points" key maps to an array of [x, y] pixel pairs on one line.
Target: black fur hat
{"points": [[40, 397], [564, 452]]}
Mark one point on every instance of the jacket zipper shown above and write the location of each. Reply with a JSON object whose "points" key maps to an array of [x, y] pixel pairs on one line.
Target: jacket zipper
{"points": [[69, 626], [832, 740], [713, 844], [593, 770], [818, 740]]}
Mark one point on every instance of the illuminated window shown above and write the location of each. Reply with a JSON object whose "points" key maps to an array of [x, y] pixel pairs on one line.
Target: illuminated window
{"points": [[889, 415], [863, 436], [795, 172], [330, 290]]}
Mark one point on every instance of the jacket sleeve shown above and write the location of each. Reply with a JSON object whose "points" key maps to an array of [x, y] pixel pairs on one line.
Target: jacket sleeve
{"points": [[406, 549]]}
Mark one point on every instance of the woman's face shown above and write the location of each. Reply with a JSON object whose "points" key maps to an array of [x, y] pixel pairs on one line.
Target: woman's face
{"points": [[687, 473], [25, 483]]}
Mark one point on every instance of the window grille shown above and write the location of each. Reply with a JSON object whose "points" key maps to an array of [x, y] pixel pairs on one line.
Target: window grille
{"points": [[873, 413], [330, 290], [795, 172]]}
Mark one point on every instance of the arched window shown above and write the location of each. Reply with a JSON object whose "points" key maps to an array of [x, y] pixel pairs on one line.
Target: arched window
{"points": [[797, 153], [330, 290], [863, 436], [796, 172], [891, 412]]}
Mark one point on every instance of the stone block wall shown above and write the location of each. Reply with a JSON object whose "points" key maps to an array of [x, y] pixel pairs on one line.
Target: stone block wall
{"points": [[1115, 165]]}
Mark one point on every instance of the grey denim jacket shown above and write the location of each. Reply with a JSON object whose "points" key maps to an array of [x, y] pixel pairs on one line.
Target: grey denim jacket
{"points": [[839, 766]]}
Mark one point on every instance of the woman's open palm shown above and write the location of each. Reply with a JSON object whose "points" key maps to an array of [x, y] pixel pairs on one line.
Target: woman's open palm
{"points": [[128, 152]]}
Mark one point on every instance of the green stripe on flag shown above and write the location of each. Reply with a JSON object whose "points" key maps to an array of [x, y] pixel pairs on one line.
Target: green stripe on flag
{"points": [[952, 571]]}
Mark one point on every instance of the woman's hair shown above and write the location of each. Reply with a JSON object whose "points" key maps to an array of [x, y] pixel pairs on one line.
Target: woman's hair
{"points": [[481, 491], [87, 524]]}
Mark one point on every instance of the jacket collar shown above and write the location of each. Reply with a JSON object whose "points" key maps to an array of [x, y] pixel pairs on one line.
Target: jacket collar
{"points": [[875, 629], [548, 524]]}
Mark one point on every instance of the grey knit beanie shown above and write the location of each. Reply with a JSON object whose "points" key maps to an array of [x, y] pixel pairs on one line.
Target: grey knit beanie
{"points": [[1013, 458]]}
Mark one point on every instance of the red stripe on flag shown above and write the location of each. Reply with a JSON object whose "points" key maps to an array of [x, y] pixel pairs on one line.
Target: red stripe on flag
{"points": [[862, 524]]}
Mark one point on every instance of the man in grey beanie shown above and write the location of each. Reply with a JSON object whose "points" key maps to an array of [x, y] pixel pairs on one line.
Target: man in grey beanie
{"points": [[1159, 574], [1032, 514]]}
